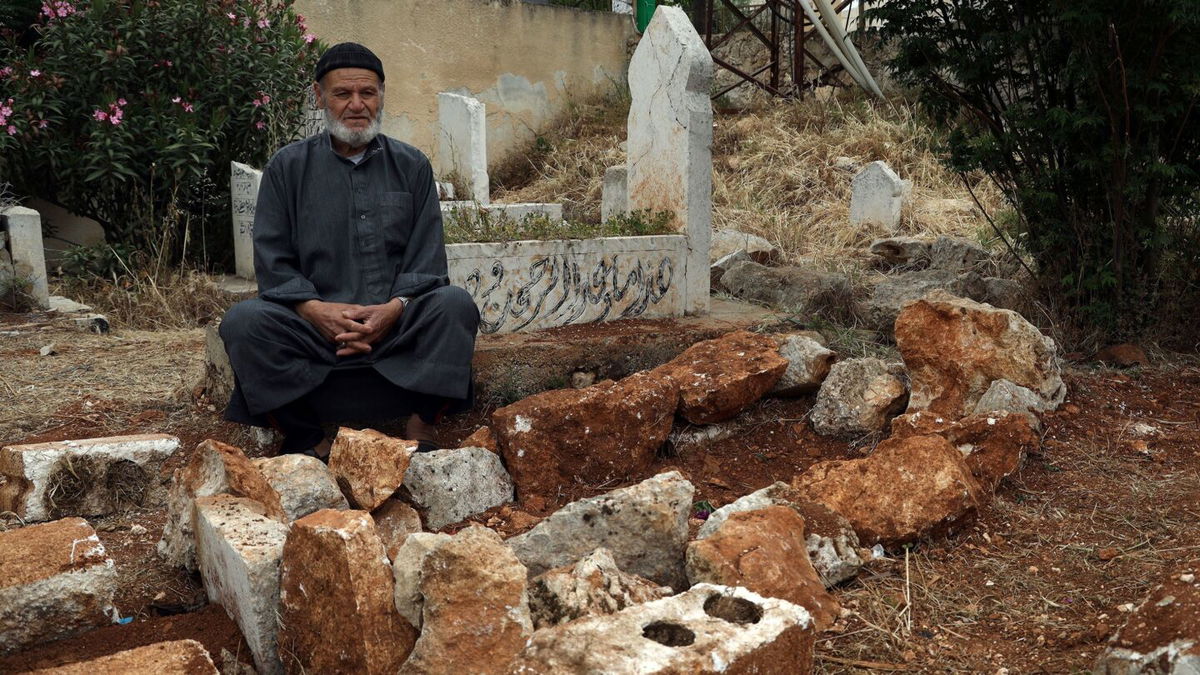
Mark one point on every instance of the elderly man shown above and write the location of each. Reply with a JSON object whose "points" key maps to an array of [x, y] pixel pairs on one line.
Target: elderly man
{"points": [[355, 316]]}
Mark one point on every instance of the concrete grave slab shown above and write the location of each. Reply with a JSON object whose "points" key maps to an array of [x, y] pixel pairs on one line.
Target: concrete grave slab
{"points": [[462, 143]]}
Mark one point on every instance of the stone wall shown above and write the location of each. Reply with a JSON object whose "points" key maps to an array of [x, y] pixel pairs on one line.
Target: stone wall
{"points": [[524, 62]]}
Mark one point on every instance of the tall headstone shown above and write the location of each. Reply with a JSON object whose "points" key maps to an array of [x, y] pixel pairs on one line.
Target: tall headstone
{"points": [[243, 189], [670, 138], [877, 194], [28, 256], [614, 200], [462, 143]]}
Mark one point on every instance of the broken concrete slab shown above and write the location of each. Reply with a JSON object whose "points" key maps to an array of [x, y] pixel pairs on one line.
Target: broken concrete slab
{"points": [[406, 569], [369, 466], [858, 397], [719, 378], [608, 431], [335, 575], [394, 521], [808, 365], [591, 587], [91, 477], [475, 616], [56, 580], [450, 485], [304, 484], [214, 468], [707, 630], [238, 553], [644, 526], [178, 657], [763, 550], [727, 242]]}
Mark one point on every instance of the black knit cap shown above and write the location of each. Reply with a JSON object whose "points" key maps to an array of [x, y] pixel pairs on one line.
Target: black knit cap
{"points": [[348, 55]]}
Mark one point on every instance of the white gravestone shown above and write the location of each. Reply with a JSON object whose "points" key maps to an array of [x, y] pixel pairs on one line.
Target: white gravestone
{"points": [[462, 143], [243, 189], [670, 138], [28, 256], [622, 6], [614, 199], [877, 194]]}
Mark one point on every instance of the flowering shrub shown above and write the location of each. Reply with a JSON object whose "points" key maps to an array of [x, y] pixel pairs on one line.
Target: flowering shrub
{"points": [[129, 111]]}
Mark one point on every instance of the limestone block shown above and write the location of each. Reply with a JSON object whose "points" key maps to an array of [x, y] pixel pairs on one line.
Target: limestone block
{"points": [[450, 485], [707, 630], [304, 484], [214, 468], [722, 265], [858, 397], [462, 143], [92, 477], [830, 540], [369, 466], [955, 348], [24, 227], [407, 564], [335, 577], [218, 372], [727, 242], [394, 521], [994, 444], [243, 187], [808, 365], [614, 197], [1162, 634], [670, 137], [876, 198], [1002, 395], [764, 551], [55, 580], [475, 616], [593, 586], [604, 432], [179, 657], [238, 553], [719, 378], [644, 526], [911, 252], [793, 288], [890, 295], [905, 490], [956, 254]]}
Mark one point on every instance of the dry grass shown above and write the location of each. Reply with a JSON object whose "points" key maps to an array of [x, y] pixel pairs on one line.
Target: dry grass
{"points": [[145, 300]]}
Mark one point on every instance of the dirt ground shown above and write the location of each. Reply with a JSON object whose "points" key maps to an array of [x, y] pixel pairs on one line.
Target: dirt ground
{"points": [[1035, 585]]}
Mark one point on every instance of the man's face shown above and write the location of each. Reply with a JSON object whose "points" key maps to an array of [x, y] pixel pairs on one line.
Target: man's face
{"points": [[352, 99]]}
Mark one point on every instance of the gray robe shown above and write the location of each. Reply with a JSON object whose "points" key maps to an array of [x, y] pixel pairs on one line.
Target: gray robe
{"points": [[325, 228]]}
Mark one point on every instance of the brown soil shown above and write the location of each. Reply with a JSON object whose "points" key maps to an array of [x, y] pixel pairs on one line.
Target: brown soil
{"points": [[1024, 588]]}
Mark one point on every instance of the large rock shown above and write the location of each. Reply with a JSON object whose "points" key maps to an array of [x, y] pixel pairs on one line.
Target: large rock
{"points": [[905, 490], [764, 551], [407, 563], [644, 526], [214, 468], [830, 540], [993, 444], [606, 432], [718, 378], [722, 265], [450, 485], [179, 657], [369, 466], [705, 631], [1162, 636], [1004, 396], [955, 349], [910, 252], [593, 586], [55, 581], [798, 289], [238, 551], [892, 293], [955, 254], [336, 578], [475, 617], [857, 398], [728, 242], [394, 521], [808, 365], [304, 484], [93, 477]]}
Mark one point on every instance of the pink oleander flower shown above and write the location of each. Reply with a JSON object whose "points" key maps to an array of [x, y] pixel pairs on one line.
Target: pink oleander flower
{"points": [[121, 101], [12, 131], [260, 125], [99, 115], [231, 15], [187, 107], [35, 73], [42, 124], [309, 37], [264, 23], [5, 71]]}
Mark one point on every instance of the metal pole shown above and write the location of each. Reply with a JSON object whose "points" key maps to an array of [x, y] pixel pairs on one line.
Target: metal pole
{"points": [[798, 43], [775, 46]]}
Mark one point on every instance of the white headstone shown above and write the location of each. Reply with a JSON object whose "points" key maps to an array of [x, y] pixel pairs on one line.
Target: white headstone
{"points": [[24, 227], [877, 195], [670, 138], [614, 200], [622, 6], [462, 144], [243, 190]]}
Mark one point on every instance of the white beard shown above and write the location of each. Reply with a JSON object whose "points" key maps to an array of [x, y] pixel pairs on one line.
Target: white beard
{"points": [[351, 137]]}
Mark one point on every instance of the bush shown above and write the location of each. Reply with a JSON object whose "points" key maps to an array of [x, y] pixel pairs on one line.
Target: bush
{"points": [[129, 111], [1085, 114]]}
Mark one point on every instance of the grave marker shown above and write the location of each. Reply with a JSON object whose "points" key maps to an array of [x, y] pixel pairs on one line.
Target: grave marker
{"points": [[876, 198], [462, 143], [243, 189]]}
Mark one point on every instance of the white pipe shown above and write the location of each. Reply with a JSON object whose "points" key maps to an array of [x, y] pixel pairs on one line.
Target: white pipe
{"points": [[833, 46], [831, 17]]}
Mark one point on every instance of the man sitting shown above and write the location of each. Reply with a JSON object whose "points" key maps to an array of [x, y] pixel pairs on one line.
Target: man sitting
{"points": [[355, 315]]}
